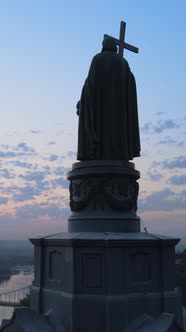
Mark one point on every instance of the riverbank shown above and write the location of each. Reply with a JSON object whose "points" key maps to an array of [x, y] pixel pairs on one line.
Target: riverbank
{"points": [[22, 278], [16, 269]]}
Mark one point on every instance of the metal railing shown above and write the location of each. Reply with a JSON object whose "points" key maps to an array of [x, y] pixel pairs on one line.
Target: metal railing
{"points": [[13, 298]]}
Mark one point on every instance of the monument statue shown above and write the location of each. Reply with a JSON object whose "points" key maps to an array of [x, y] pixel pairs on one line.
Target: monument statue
{"points": [[108, 116], [104, 274]]}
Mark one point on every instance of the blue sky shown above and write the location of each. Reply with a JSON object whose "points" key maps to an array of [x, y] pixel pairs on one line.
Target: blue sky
{"points": [[46, 50]]}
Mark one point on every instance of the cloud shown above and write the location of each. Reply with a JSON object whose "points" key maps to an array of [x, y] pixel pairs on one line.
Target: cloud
{"points": [[167, 141], [24, 164], [4, 146], [11, 189], [170, 141], [61, 182], [51, 143], [155, 176], [37, 210], [37, 176], [71, 155], [24, 147], [53, 157], [61, 170], [183, 192], [159, 113], [182, 143], [148, 127], [43, 185], [26, 193], [166, 124], [3, 200], [178, 180], [160, 126], [12, 154], [46, 167], [21, 150], [164, 200], [32, 131], [5, 173], [178, 162], [60, 198]]}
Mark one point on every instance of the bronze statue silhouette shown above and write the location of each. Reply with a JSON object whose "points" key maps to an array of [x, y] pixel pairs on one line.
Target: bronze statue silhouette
{"points": [[108, 115]]}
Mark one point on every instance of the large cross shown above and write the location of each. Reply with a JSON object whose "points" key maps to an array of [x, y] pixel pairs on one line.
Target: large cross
{"points": [[121, 41]]}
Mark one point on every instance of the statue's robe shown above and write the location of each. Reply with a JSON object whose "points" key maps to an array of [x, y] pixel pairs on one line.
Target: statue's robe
{"points": [[108, 116]]}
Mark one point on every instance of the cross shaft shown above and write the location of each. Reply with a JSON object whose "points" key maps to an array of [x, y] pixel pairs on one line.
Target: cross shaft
{"points": [[121, 41]]}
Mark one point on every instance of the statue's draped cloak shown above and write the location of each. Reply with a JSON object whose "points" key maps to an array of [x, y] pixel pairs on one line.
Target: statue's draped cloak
{"points": [[108, 116]]}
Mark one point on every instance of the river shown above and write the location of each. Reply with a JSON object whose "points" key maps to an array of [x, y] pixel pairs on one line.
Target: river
{"points": [[22, 276]]}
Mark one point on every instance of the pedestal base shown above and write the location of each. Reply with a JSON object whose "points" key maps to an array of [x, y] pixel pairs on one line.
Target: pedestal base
{"points": [[104, 281]]}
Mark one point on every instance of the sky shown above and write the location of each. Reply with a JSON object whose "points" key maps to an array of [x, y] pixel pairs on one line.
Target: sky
{"points": [[46, 50]]}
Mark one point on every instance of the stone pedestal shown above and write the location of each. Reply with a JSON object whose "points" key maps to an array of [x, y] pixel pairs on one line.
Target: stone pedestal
{"points": [[104, 281], [104, 275]]}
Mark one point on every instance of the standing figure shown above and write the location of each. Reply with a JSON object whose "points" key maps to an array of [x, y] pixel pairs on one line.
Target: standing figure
{"points": [[108, 116]]}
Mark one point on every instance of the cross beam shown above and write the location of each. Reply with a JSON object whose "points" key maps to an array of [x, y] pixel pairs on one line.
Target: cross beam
{"points": [[121, 41]]}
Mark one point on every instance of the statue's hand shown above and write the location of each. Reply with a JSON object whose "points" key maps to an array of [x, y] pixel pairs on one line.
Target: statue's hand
{"points": [[78, 107]]}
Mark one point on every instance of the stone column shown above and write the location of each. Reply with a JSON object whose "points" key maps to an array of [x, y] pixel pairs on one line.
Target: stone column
{"points": [[103, 197]]}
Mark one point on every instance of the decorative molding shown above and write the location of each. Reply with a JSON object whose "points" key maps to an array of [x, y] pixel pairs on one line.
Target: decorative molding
{"points": [[98, 193], [141, 267], [91, 270], [122, 194], [79, 194], [54, 263]]}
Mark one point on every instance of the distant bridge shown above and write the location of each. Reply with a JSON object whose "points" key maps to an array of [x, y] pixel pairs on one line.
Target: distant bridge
{"points": [[13, 298]]}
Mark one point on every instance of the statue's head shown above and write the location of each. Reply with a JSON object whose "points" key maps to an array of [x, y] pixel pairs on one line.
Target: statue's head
{"points": [[109, 45]]}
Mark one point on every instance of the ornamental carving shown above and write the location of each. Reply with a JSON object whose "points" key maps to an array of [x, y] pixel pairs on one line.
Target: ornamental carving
{"points": [[122, 194], [115, 192], [79, 194]]}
